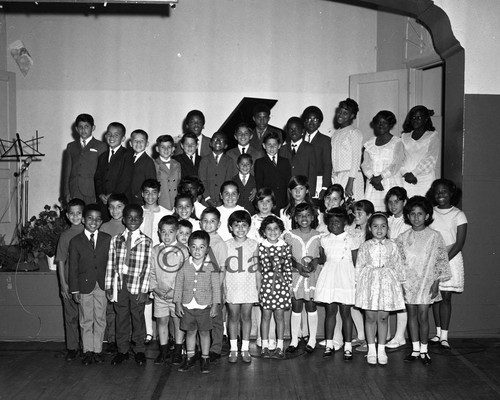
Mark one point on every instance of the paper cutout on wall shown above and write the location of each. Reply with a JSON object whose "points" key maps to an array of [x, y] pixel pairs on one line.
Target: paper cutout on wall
{"points": [[23, 58]]}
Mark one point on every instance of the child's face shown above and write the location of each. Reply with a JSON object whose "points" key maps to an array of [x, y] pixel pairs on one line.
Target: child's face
{"points": [[165, 149], [209, 223], [230, 196], [183, 234], [261, 120], [396, 206], [336, 225], [191, 188], [299, 193], [198, 249], [304, 218], [312, 123], [167, 233], [265, 205], [332, 200], [114, 137], [295, 131], [272, 232], [271, 146], [442, 195], [116, 209], [218, 143], [92, 221], [245, 166], [361, 217], [74, 215], [84, 129], [344, 117], [379, 228], [184, 208], [417, 217], [189, 146], [139, 142], [243, 136], [132, 220], [150, 196], [195, 125], [240, 229]]}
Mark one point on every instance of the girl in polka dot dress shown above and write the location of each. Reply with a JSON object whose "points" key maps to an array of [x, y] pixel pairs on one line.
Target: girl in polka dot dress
{"points": [[276, 270]]}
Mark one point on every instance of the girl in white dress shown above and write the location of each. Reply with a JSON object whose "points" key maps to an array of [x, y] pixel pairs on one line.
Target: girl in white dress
{"points": [[451, 222], [379, 274], [421, 151], [336, 282], [347, 147], [229, 194], [298, 192], [334, 197], [383, 158]]}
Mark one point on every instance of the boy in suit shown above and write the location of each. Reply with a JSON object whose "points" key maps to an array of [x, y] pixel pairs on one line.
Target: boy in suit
{"points": [[322, 144], [144, 167], [243, 135], [189, 158], [273, 171], [246, 182], [300, 153], [88, 256], [197, 296], [168, 171], [114, 167], [215, 169], [74, 214], [80, 162], [194, 123], [127, 284], [261, 116]]}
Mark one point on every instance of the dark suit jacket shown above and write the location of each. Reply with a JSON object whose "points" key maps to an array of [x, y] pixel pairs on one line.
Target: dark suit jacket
{"points": [[255, 152], [79, 168], [245, 192], [323, 148], [87, 265], [257, 141], [303, 163], [214, 175], [114, 176], [187, 167], [205, 146], [143, 168], [274, 177]]}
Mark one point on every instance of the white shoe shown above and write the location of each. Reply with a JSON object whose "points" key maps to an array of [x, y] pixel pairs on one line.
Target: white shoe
{"points": [[382, 359], [258, 342], [371, 359], [395, 344]]}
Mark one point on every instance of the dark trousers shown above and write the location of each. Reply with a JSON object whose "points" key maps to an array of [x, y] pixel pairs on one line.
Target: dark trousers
{"points": [[129, 310], [217, 331], [110, 333], [71, 324]]}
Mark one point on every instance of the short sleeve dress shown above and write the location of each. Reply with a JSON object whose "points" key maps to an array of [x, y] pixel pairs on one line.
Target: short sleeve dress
{"points": [[379, 273], [305, 247], [276, 275], [446, 221], [241, 272], [336, 281], [425, 260]]}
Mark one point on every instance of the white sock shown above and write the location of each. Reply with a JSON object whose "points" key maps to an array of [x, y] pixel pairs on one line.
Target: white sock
{"points": [[444, 335], [416, 346], [280, 343], [265, 343], [347, 346], [329, 343], [438, 331], [381, 350], [234, 344], [423, 348], [312, 318], [244, 345], [372, 349], [295, 328]]}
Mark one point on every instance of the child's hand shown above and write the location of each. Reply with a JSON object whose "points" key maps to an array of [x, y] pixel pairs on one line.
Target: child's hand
{"points": [[103, 198], [65, 294], [77, 297], [252, 194], [434, 290], [179, 310], [141, 298], [410, 178], [213, 310], [211, 203]]}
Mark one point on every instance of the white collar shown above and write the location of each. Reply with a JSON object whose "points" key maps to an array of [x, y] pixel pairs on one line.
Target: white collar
{"points": [[296, 144]]}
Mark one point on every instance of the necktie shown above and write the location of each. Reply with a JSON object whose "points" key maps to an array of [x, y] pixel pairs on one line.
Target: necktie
{"points": [[83, 143], [167, 164], [274, 161], [128, 246], [111, 155], [294, 146], [243, 150], [192, 160], [135, 158], [92, 242], [217, 160], [309, 137], [244, 180]]}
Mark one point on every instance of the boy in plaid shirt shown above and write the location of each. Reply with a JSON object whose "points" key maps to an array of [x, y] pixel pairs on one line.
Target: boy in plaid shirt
{"points": [[127, 283]]}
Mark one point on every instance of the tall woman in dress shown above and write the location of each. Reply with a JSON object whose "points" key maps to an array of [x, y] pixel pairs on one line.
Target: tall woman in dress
{"points": [[347, 146], [383, 158], [421, 151]]}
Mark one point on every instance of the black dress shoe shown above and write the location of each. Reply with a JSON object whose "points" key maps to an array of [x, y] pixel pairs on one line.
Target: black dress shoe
{"points": [[347, 355], [188, 363], [309, 349], [214, 356], [410, 357], [205, 365], [98, 358], [140, 358], [71, 355], [119, 358], [291, 349], [426, 360], [111, 348], [328, 352], [88, 358]]}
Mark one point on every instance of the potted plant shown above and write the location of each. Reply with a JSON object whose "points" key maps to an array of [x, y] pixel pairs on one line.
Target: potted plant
{"points": [[40, 234]]}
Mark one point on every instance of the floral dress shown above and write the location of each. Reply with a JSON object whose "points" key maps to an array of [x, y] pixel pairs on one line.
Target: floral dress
{"points": [[379, 273], [425, 260], [276, 272]]}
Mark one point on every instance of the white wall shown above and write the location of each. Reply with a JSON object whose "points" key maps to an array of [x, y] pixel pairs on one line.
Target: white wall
{"points": [[475, 24], [148, 72]]}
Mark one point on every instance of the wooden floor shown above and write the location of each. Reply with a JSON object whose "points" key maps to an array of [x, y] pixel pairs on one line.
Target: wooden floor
{"points": [[470, 371]]}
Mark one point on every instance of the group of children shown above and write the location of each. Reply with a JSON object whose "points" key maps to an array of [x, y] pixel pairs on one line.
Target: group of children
{"points": [[208, 233]]}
